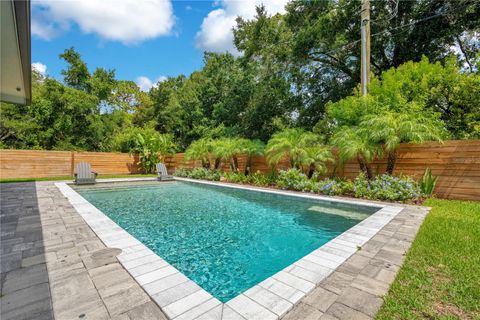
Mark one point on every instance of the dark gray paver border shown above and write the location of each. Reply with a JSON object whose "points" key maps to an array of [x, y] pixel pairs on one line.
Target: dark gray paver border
{"points": [[356, 289]]}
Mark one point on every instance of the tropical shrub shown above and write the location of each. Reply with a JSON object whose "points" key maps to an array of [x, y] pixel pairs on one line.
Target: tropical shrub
{"points": [[206, 174], [126, 140], [316, 159], [389, 129], [354, 143], [251, 148], [227, 150], [235, 177], [334, 187], [257, 178], [386, 187], [261, 180], [428, 183], [433, 91], [182, 172], [200, 150], [291, 144], [198, 173], [152, 149], [293, 179], [425, 88]]}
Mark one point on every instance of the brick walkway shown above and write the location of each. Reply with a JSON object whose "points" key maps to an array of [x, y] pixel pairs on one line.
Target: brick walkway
{"points": [[54, 266]]}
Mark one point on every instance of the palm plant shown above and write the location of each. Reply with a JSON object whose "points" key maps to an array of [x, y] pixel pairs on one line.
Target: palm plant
{"points": [[251, 148], [228, 150], [390, 129], [353, 143], [151, 149], [292, 144], [317, 159], [200, 150]]}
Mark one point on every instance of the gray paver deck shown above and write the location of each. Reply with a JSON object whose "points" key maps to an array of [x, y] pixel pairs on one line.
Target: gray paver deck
{"points": [[54, 266], [355, 290]]}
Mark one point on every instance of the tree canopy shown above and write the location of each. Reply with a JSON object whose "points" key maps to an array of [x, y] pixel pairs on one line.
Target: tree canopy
{"points": [[296, 70]]}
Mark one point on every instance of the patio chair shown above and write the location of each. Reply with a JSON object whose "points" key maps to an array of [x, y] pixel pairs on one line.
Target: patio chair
{"points": [[162, 172], [84, 174]]}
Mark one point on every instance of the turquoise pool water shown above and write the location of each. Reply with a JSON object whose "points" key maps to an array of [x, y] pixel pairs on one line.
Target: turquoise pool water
{"points": [[226, 240]]}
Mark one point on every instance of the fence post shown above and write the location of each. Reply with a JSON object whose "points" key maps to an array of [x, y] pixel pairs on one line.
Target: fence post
{"points": [[72, 162]]}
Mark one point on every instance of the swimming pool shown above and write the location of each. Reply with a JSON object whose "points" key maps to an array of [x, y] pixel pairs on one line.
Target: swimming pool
{"points": [[226, 240]]}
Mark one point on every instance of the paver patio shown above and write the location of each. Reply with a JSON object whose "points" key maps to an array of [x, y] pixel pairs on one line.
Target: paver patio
{"points": [[53, 266]]}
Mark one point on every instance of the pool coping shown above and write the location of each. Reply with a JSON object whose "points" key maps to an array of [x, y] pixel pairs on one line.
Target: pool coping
{"points": [[181, 298]]}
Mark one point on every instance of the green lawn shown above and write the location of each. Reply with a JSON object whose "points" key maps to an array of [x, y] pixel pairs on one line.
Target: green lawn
{"points": [[103, 176], [440, 278]]}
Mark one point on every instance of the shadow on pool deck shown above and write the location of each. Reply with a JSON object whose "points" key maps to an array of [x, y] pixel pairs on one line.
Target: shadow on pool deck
{"points": [[24, 277], [53, 266]]}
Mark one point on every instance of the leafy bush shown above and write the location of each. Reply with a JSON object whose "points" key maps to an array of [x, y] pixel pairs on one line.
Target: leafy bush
{"points": [[335, 187], [386, 187], [126, 140], [153, 149], [261, 180], [293, 179], [198, 173], [150, 145], [428, 183], [257, 178], [235, 177], [182, 172]]}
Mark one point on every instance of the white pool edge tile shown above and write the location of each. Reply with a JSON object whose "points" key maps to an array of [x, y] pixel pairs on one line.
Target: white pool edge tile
{"points": [[296, 279], [281, 192]]}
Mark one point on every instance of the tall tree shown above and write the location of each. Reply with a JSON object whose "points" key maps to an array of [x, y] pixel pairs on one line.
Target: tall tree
{"points": [[316, 43], [76, 75]]}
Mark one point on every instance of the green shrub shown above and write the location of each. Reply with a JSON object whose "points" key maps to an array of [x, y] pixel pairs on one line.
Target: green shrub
{"points": [[293, 179], [261, 180], [386, 187], [235, 177], [206, 174], [257, 178], [335, 187], [198, 173], [182, 172]]}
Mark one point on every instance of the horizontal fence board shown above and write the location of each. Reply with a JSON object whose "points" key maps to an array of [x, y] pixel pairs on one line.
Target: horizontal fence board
{"points": [[456, 163]]}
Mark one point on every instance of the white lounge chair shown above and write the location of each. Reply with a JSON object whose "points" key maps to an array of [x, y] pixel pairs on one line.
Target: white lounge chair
{"points": [[162, 172], [84, 174]]}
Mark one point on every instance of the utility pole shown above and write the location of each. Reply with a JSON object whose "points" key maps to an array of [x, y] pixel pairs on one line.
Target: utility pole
{"points": [[365, 55]]}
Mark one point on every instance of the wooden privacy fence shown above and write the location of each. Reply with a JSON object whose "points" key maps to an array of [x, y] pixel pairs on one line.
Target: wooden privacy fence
{"points": [[456, 163], [41, 163]]}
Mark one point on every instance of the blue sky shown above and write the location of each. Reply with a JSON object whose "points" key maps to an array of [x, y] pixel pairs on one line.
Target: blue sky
{"points": [[143, 40]]}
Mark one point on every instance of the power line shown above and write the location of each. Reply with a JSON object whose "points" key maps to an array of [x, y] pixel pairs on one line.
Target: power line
{"points": [[351, 44], [392, 15]]}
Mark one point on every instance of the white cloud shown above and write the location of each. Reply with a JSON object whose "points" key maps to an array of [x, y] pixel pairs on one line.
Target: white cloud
{"points": [[216, 30], [126, 21], [43, 29], [145, 84], [40, 68]]}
